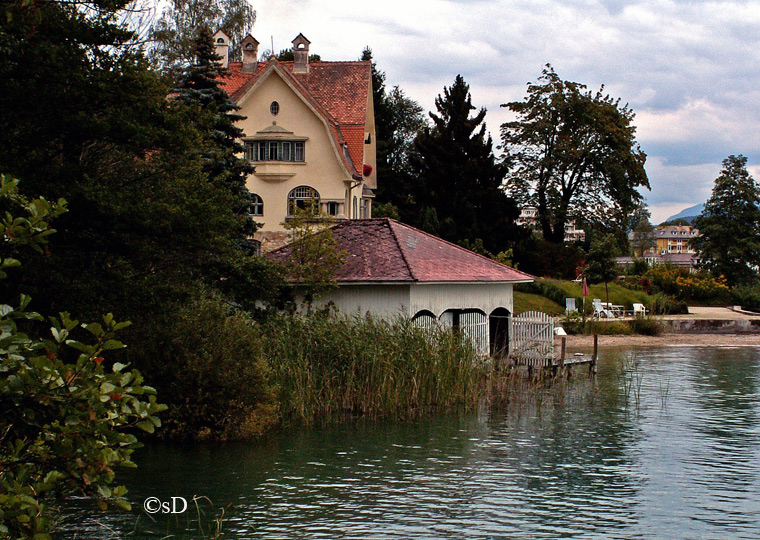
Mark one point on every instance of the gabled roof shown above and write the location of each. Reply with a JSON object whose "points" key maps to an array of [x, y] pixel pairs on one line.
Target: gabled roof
{"points": [[337, 90], [385, 250]]}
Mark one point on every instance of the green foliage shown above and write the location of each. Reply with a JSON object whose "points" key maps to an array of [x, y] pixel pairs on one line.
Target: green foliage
{"points": [[681, 283], [643, 238], [524, 302], [546, 259], [327, 366], [662, 304], [173, 34], [729, 241], [600, 262], [380, 210], [314, 257], [207, 359], [459, 178], [573, 153], [646, 326], [66, 416], [747, 296]]}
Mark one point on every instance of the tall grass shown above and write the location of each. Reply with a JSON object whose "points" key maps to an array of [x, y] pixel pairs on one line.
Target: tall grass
{"points": [[328, 366]]}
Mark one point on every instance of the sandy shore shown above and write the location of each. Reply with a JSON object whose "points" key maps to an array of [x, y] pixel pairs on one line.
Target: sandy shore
{"points": [[667, 340]]}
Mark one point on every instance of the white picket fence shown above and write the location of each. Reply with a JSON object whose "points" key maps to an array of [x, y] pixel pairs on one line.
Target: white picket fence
{"points": [[532, 336]]}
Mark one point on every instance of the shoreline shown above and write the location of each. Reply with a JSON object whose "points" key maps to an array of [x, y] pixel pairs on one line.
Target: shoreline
{"points": [[665, 340]]}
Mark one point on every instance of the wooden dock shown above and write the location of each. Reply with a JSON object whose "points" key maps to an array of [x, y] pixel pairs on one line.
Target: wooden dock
{"points": [[557, 363]]}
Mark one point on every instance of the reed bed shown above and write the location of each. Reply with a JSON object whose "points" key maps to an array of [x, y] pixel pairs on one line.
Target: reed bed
{"points": [[323, 367]]}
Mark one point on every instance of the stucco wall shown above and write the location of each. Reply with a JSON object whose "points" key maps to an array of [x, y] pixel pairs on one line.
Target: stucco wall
{"points": [[322, 169]]}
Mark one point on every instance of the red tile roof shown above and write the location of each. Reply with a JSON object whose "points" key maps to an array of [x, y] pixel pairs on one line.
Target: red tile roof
{"points": [[338, 90], [385, 250]]}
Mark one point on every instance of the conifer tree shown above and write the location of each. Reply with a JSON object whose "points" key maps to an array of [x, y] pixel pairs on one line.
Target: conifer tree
{"points": [[214, 114], [729, 244], [459, 177]]}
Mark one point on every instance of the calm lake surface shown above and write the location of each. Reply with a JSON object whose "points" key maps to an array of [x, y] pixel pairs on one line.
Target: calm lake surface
{"points": [[665, 443]]}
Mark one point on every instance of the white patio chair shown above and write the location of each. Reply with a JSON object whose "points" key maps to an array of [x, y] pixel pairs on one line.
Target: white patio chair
{"points": [[639, 310], [569, 305], [599, 310]]}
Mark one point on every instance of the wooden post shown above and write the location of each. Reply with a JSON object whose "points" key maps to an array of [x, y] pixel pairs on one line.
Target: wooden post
{"points": [[592, 365], [562, 355]]}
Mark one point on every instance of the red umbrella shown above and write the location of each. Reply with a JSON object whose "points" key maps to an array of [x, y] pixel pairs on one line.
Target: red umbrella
{"points": [[584, 288]]}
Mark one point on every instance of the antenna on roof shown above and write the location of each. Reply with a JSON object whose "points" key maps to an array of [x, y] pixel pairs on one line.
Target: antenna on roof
{"points": [[272, 49]]}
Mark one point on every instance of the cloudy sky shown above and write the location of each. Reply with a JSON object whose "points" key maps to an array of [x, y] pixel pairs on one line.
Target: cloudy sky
{"points": [[689, 69]]}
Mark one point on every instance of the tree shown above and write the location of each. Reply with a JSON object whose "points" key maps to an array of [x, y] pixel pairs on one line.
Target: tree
{"points": [[458, 176], [174, 35], [398, 121], [729, 241], [600, 262], [214, 116], [573, 154], [65, 412], [643, 238]]}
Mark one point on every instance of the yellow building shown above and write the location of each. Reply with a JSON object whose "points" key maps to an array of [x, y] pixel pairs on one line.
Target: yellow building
{"points": [[309, 132], [674, 239]]}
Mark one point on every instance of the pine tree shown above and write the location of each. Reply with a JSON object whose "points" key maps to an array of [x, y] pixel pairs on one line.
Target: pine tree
{"points": [[459, 176], [729, 244], [214, 114]]}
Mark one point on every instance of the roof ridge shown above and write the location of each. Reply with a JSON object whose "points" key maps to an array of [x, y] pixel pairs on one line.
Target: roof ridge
{"points": [[460, 248], [388, 222]]}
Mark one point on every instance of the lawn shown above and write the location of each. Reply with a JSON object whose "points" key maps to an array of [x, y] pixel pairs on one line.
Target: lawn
{"points": [[534, 302]]}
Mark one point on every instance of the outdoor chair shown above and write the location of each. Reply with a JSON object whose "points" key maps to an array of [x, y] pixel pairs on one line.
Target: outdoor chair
{"points": [[569, 305], [639, 310], [600, 310]]}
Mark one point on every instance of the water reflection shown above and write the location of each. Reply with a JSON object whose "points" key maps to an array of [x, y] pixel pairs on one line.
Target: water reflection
{"points": [[581, 459]]}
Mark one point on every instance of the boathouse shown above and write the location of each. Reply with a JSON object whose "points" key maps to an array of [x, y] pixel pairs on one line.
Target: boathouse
{"points": [[393, 269]]}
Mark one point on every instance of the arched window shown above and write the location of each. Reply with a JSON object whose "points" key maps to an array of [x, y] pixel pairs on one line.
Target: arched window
{"points": [[256, 207], [274, 108], [303, 198]]}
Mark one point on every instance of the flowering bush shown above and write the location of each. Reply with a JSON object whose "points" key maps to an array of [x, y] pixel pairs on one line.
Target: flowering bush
{"points": [[685, 285]]}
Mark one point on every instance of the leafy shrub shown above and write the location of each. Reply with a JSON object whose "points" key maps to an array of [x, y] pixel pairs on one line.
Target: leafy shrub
{"points": [[208, 362], [65, 413], [747, 296], [695, 286], [662, 304], [646, 326]]}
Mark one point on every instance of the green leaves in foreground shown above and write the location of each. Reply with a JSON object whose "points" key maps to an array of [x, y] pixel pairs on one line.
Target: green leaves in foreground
{"points": [[64, 419], [66, 415]]}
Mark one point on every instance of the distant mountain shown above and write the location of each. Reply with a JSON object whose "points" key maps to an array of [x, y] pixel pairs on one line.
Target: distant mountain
{"points": [[689, 214]]}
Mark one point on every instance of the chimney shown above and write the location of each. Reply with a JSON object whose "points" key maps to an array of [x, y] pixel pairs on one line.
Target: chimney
{"points": [[301, 54], [222, 47], [250, 54]]}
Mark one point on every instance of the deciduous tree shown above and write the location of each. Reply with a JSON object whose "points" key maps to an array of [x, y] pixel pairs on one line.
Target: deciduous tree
{"points": [[572, 153], [174, 34], [729, 241]]}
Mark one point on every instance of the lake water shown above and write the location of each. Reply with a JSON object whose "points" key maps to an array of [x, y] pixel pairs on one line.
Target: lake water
{"points": [[665, 443]]}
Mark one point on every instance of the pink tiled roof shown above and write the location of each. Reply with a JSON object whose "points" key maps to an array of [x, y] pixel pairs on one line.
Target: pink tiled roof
{"points": [[339, 91], [385, 250]]}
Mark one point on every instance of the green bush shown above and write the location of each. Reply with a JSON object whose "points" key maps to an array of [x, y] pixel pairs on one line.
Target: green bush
{"points": [[207, 361], [66, 414], [747, 296], [646, 326], [662, 304]]}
